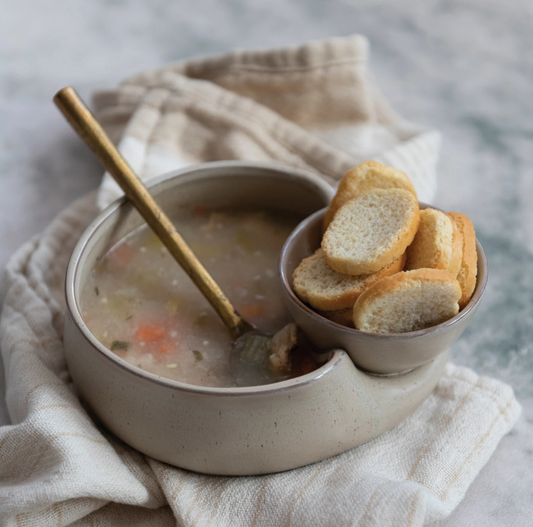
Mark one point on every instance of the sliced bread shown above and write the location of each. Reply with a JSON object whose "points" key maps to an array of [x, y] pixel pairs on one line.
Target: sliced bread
{"points": [[408, 301], [370, 231], [433, 246], [317, 284], [363, 177], [468, 272]]}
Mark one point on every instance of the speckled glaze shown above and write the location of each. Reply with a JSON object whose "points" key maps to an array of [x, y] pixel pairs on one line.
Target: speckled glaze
{"points": [[231, 431], [378, 353]]}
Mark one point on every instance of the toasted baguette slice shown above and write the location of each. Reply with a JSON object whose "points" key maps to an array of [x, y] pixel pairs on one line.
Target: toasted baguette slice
{"points": [[316, 283], [370, 231], [433, 246], [468, 272], [407, 301], [344, 317], [365, 176]]}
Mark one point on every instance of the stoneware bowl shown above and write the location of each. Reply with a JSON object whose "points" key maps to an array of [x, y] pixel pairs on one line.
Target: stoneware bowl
{"points": [[231, 431], [378, 353]]}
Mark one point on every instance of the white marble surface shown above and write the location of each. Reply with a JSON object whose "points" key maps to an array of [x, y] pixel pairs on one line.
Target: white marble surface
{"points": [[464, 67]]}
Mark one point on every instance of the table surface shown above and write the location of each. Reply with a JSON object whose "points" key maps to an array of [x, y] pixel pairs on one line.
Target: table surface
{"points": [[462, 67]]}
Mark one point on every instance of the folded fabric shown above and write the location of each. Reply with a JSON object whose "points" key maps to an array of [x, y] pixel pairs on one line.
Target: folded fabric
{"points": [[312, 107]]}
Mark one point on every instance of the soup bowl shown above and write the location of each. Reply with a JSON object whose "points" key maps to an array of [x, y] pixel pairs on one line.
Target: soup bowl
{"points": [[230, 431], [389, 353]]}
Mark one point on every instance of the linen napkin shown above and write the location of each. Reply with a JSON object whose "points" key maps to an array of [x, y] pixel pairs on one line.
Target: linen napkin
{"points": [[313, 107]]}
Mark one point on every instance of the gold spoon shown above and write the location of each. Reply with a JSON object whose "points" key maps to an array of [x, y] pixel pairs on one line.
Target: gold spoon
{"points": [[94, 136], [248, 342]]}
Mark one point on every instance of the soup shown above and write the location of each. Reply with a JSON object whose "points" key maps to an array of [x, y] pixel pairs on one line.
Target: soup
{"points": [[142, 306]]}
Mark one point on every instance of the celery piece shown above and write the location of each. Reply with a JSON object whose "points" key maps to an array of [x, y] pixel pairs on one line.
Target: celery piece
{"points": [[172, 306], [120, 306], [148, 284], [245, 241], [120, 345], [259, 287], [202, 320], [152, 241], [253, 348], [205, 251]]}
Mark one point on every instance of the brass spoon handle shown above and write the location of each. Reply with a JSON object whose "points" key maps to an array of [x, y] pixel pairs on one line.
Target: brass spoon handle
{"points": [[94, 136]]}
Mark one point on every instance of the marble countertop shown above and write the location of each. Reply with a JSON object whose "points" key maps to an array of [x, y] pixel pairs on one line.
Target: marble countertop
{"points": [[462, 67]]}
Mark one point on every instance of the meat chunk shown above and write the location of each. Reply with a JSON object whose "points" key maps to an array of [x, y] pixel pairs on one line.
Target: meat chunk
{"points": [[282, 344]]}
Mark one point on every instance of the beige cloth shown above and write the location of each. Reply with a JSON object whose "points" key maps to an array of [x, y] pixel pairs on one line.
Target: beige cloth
{"points": [[311, 107]]}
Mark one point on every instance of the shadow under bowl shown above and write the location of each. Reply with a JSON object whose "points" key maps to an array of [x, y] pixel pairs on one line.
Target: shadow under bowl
{"points": [[377, 353]]}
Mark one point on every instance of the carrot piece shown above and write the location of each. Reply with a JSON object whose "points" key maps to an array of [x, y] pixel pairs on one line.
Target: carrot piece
{"points": [[199, 209], [252, 310], [123, 253], [151, 332], [119, 258], [165, 347]]}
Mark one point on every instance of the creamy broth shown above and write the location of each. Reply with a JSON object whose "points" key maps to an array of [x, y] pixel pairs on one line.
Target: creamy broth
{"points": [[142, 306]]}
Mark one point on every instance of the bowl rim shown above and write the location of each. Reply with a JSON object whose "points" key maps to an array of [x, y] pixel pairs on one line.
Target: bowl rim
{"points": [[438, 328], [74, 267]]}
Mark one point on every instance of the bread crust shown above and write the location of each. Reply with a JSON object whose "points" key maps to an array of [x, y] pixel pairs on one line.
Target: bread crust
{"points": [[365, 176], [375, 208], [337, 291], [405, 281], [467, 274], [457, 250]]}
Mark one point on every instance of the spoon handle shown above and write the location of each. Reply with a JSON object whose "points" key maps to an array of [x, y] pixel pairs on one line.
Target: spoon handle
{"points": [[94, 136]]}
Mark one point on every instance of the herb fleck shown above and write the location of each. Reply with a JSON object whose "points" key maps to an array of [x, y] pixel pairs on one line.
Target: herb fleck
{"points": [[202, 320], [120, 345], [97, 291], [198, 355]]}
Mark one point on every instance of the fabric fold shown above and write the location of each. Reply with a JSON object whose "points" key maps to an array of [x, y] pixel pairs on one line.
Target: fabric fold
{"points": [[55, 461], [314, 106]]}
